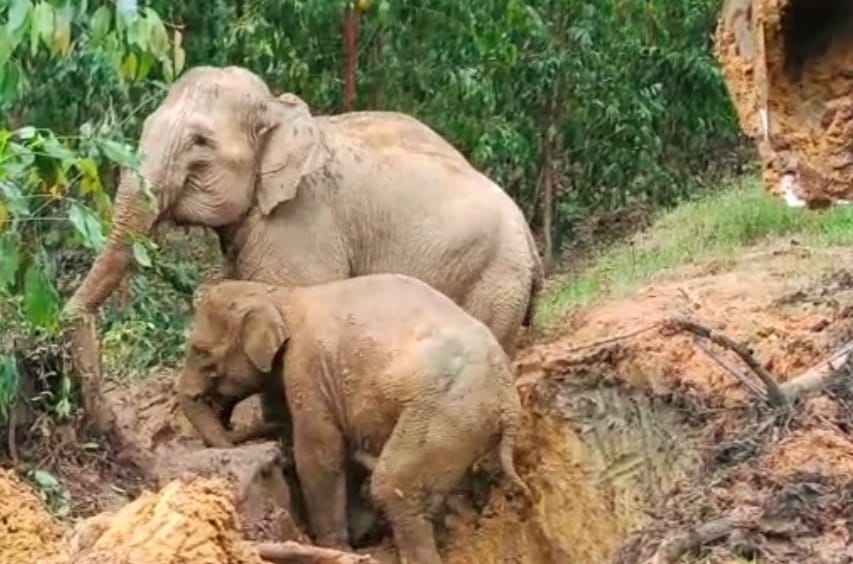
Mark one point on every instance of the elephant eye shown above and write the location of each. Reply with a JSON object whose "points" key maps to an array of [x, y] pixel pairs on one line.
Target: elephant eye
{"points": [[200, 140]]}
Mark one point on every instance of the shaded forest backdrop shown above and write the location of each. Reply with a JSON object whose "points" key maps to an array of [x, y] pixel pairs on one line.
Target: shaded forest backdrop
{"points": [[574, 107]]}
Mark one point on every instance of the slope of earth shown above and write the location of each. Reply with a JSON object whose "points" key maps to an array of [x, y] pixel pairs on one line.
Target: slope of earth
{"points": [[640, 435]]}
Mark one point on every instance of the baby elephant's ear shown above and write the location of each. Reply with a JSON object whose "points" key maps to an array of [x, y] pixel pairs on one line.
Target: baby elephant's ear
{"points": [[264, 333]]}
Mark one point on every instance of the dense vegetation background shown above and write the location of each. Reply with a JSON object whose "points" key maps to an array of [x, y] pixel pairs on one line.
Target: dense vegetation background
{"points": [[577, 108]]}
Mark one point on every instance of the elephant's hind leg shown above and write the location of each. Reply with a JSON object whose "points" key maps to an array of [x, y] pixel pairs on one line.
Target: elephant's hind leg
{"points": [[499, 299], [419, 465]]}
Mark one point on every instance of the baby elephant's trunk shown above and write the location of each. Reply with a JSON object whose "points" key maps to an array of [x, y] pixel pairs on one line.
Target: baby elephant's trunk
{"points": [[510, 423]]}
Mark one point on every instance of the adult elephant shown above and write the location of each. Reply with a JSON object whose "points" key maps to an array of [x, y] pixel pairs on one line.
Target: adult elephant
{"points": [[300, 200]]}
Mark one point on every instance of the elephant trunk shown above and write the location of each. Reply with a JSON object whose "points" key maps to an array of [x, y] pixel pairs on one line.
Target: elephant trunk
{"points": [[134, 214], [206, 421]]}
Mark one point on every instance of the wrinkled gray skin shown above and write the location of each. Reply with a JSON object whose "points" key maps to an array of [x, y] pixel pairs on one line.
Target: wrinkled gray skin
{"points": [[382, 367], [300, 200]]}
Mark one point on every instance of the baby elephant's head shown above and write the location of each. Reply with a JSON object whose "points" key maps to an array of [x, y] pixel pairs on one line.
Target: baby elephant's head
{"points": [[237, 331]]}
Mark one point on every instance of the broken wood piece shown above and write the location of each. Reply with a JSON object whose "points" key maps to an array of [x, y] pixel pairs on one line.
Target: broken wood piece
{"points": [[291, 552], [774, 393], [733, 371], [823, 374], [673, 548]]}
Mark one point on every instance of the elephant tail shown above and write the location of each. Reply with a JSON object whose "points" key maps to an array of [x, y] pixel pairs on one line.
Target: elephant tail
{"points": [[536, 283], [509, 432]]}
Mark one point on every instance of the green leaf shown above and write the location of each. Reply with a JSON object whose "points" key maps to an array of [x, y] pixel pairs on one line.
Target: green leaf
{"points": [[129, 67], [6, 46], [88, 226], [119, 153], [9, 378], [26, 132], [100, 23], [140, 254], [15, 200], [54, 149], [41, 302], [61, 38], [45, 480], [146, 63], [44, 22], [18, 13], [158, 39], [10, 259], [137, 33]]}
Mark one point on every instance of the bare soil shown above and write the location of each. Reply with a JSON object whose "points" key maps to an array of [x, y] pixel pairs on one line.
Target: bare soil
{"points": [[627, 443], [791, 60]]}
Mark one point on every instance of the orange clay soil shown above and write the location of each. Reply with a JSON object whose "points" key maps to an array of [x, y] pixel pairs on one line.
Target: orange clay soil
{"points": [[188, 523], [807, 92], [28, 533]]}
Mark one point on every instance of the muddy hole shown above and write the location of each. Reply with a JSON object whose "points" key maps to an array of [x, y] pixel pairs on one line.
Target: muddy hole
{"points": [[809, 27]]}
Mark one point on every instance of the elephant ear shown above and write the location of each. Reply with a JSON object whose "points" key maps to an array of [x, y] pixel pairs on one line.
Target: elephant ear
{"points": [[263, 334], [292, 150]]}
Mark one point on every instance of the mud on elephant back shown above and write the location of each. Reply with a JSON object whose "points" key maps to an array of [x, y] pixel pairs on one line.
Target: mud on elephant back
{"points": [[299, 200]]}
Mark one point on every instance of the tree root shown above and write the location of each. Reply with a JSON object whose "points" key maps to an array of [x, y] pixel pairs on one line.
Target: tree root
{"points": [[775, 396], [291, 552], [673, 548], [827, 372]]}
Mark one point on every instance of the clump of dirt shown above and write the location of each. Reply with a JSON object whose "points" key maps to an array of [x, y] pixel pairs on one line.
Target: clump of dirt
{"points": [[28, 533], [786, 64], [183, 522]]}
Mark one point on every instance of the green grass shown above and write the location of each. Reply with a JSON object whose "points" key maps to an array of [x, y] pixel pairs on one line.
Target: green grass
{"points": [[713, 227]]}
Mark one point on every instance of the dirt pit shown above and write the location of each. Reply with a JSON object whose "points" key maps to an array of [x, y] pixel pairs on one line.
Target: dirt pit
{"points": [[635, 442], [787, 66]]}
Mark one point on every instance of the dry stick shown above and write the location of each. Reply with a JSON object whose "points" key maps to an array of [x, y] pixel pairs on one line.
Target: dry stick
{"points": [[823, 374], [774, 392], [673, 548], [722, 363], [290, 552], [617, 338]]}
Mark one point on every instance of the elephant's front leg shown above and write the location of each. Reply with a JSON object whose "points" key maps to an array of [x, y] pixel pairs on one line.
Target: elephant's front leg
{"points": [[319, 454]]}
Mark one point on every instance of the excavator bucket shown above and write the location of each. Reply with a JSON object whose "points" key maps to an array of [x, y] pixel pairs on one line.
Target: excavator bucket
{"points": [[788, 67]]}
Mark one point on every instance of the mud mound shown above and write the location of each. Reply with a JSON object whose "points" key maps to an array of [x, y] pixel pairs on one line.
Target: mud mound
{"points": [[786, 64], [28, 534], [194, 522]]}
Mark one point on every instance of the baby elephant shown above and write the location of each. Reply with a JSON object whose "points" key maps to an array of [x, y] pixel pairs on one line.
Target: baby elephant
{"points": [[380, 365]]}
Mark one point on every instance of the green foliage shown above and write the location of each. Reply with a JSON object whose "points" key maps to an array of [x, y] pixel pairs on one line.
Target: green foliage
{"points": [[715, 226], [54, 201]]}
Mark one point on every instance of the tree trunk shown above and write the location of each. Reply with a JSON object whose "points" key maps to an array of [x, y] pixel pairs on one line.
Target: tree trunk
{"points": [[377, 95], [351, 21], [548, 202]]}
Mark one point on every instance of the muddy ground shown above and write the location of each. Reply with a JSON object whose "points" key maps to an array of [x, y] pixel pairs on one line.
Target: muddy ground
{"points": [[626, 443]]}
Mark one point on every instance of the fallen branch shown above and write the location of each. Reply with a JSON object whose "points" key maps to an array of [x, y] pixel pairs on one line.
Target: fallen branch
{"points": [[615, 338], [672, 549], [734, 372], [774, 393], [291, 552], [823, 374]]}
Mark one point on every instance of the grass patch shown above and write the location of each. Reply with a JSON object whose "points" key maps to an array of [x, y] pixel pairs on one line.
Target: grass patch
{"points": [[711, 227]]}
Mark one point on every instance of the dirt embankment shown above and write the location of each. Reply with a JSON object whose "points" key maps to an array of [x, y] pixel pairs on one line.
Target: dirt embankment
{"points": [[786, 64], [627, 443]]}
